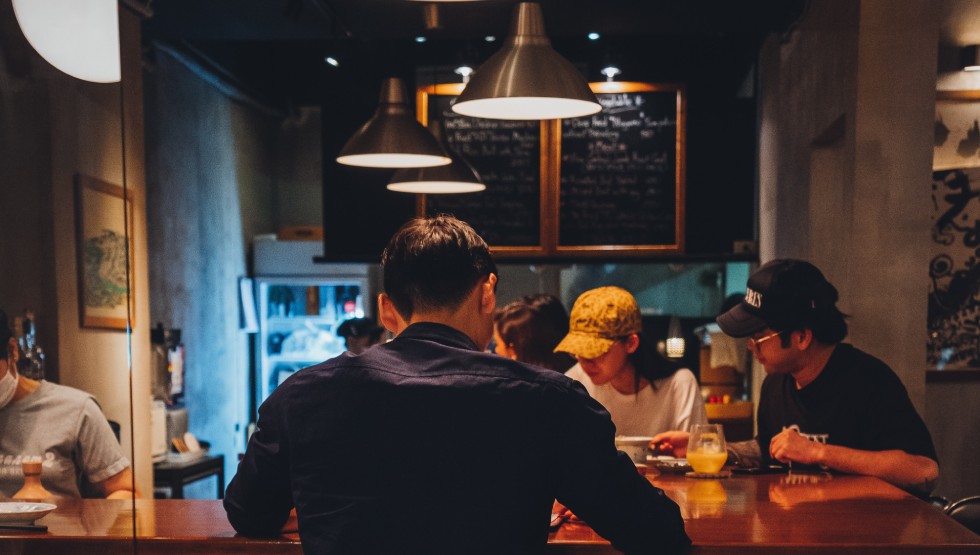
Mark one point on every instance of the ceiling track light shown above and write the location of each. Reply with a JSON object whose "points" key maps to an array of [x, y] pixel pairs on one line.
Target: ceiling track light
{"points": [[464, 71], [610, 72], [526, 79], [392, 138]]}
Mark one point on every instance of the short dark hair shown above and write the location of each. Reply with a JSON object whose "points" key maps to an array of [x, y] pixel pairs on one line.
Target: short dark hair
{"points": [[434, 263], [533, 326], [829, 326], [827, 323]]}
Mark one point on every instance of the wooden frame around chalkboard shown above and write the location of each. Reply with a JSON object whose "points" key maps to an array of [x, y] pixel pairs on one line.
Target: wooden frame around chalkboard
{"points": [[632, 250], [550, 172]]}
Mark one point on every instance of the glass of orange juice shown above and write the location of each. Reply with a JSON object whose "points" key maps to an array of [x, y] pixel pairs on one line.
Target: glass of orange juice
{"points": [[706, 448]]}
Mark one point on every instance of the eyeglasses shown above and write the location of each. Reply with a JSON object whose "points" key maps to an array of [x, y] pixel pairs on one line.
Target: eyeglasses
{"points": [[754, 343]]}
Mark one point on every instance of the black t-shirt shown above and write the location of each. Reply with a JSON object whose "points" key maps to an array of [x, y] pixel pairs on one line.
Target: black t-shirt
{"points": [[857, 401]]}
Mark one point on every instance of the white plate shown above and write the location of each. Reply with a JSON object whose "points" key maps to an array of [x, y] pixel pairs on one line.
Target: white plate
{"points": [[21, 512]]}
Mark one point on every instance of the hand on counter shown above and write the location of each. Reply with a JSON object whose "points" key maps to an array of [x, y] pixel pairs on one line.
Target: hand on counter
{"points": [[672, 443], [790, 446], [565, 513], [292, 525]]}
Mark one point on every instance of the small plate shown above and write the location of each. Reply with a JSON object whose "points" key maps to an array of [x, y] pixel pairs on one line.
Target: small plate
{"points": [[669, 465], [23, 513]]}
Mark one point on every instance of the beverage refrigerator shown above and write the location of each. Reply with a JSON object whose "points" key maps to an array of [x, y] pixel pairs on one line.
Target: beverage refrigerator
{"points": [[299, 305]]}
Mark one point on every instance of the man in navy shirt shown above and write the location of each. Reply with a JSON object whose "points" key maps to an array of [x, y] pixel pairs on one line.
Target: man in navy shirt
{"points": [[427, 444], [823, 401]]}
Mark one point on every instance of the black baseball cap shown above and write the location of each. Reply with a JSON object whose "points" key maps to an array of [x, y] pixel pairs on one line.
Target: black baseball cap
{"points": [[779, 294], [358, 327]]}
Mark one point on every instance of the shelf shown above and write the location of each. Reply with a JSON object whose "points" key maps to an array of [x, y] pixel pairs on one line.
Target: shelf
{"points": [[305, 358], [289, 320]]}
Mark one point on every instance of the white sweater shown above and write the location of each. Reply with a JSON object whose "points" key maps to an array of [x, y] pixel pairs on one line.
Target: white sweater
{"points": [[671, 403]]}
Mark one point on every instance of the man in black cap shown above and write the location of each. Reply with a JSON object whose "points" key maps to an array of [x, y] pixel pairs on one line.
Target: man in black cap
{"points": [[359, 334], [823, 402]]}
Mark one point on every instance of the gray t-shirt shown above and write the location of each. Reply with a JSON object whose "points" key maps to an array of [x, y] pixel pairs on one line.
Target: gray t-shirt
{"points": [[66, 430]]}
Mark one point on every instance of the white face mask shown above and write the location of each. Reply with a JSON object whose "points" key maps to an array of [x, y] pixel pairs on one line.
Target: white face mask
{"points": [[8, 386]]}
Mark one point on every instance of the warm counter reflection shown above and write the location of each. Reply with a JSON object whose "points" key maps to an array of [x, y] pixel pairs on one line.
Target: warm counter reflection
{"points": [[799, 513]]}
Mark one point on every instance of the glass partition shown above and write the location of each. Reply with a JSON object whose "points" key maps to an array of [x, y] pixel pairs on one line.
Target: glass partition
{"points": [[67, 274]]}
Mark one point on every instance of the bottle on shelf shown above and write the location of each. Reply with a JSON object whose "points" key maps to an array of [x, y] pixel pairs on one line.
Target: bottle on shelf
{"points": [[33, 489], [159, 365], [32, 365]]}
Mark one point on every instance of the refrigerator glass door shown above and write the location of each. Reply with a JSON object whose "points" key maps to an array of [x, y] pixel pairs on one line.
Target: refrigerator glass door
{"points": [[298, 319]]}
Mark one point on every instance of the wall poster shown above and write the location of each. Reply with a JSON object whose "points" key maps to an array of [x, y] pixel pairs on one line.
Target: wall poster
{"points": [[104, 248]]}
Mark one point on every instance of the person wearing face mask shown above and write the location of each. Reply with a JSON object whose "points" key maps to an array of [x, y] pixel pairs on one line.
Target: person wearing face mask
{"points": [[645, 393], [60, 426]]}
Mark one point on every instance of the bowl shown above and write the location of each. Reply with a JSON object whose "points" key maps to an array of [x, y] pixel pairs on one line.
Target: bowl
{"points": [[636, 447]]}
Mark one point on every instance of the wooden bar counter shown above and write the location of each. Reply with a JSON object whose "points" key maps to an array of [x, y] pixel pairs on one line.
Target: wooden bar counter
{"points": [[798, 513]]}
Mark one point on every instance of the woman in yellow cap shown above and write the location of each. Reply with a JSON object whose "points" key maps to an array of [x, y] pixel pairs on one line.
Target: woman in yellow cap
{"points": [[644, 393]]}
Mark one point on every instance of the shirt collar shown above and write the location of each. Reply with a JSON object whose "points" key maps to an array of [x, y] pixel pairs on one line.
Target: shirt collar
{"points": [[440, 333]]}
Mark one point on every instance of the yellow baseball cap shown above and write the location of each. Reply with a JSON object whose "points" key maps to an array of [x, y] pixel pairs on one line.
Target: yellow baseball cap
{"points": [[599, 318]]}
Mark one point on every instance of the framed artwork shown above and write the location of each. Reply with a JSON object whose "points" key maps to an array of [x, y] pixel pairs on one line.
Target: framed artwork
{"points": [[954, 271], [104, 253]]}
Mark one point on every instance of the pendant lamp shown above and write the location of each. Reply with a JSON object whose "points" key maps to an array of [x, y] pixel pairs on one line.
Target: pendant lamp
{"points": [[456, 177], [527, 79], [392, 138], [79, 37]]}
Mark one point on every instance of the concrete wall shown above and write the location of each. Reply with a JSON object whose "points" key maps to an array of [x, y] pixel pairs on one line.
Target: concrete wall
{"points": [[212, 185], [299, 169], [219, 172], [846, 129]]}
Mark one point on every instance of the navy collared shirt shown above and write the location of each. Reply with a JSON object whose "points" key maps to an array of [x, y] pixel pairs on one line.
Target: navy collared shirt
{"points": [[428, 445]]}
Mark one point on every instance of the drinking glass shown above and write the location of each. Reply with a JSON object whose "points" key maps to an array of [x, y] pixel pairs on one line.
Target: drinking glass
{"points": [[706, 448]]}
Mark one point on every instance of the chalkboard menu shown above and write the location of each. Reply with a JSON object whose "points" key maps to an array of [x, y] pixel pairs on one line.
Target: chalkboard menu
{"points": [[507, 155], [621, 173], [611, 184]]}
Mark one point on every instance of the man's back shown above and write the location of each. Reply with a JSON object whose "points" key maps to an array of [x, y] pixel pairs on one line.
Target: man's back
{"points": [[427, 445]]}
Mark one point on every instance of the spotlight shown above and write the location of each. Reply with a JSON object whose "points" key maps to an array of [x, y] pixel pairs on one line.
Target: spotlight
{"points": [[332, 61], [593, 36], [420, 39], [464, 72], [610, 72]]}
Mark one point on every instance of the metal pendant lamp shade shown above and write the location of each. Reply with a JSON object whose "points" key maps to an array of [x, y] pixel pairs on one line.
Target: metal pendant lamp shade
{"points": [[392, 138], [527, 79], [456, 177]]}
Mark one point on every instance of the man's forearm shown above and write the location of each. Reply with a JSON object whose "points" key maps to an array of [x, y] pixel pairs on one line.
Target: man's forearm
{"points": [[910, 472], [744, 453]]}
